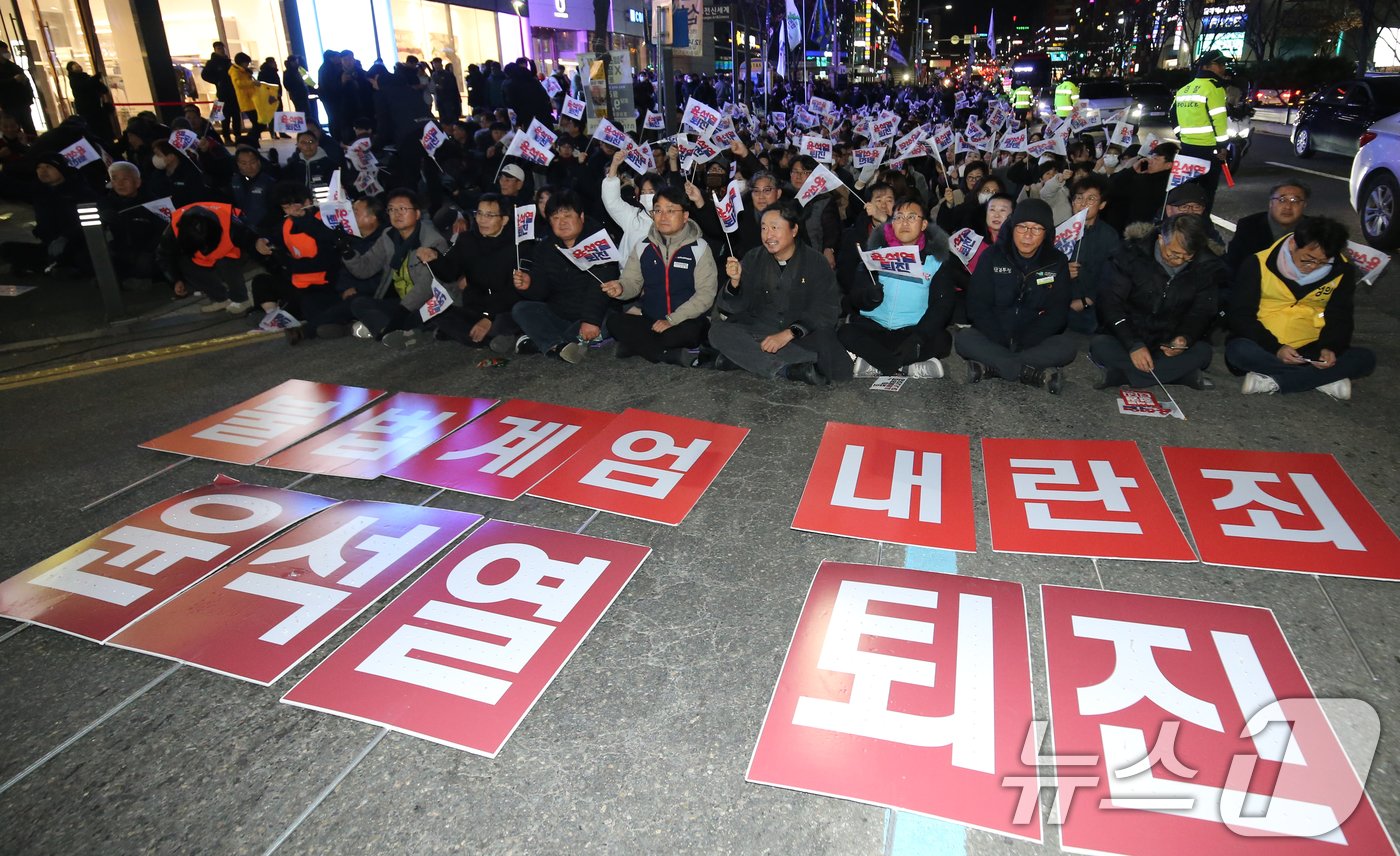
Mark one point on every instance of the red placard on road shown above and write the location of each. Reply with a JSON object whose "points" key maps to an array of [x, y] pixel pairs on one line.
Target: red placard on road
{"points": [[389, 433], [886, 484], [265, 424], [261, 615], [1150, 699], [645, 465], [1281, 511], [103, 583], [506, 452], [1093, 498], [910, 690], [462, 655]]}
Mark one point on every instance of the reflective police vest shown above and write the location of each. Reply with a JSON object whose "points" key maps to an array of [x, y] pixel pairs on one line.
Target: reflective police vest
{"points": [[226, 249], [1294, 321], [1065, 95], [1022, 97], [1200, 113]]}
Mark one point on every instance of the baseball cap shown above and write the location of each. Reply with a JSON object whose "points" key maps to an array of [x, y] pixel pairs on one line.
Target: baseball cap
{"points": [[514, 172], [1190, 193]]}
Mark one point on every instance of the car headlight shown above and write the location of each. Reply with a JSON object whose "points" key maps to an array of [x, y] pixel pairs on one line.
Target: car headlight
{"points": [[1244, 132], [1136, 111]]}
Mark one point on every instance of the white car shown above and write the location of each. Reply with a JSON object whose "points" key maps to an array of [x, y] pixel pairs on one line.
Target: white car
{"points": [[1375, 183]]}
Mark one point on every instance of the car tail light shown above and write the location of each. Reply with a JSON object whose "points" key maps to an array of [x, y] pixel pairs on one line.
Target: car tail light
{"points": [[1365, 138]]}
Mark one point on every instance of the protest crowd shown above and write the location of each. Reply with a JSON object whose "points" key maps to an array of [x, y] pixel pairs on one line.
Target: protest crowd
{"points": [[808, 236]]}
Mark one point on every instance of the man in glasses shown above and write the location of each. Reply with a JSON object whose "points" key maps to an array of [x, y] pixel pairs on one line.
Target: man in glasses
{"points": [[765, 191], [1157, 301], [1291, 316], [485, 257], [1254, 233], [673, 273], [1018, 303]]}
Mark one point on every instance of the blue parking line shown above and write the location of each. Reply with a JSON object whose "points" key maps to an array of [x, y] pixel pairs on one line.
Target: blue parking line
{"points": [[915, 834]]}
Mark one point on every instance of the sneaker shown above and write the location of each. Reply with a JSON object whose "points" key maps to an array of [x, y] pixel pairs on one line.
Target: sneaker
{"points": [[975, 371], [600, 342], [360, 331], [401, 340], [1259, 383], [724, 364], [926, 369], [1032, 376], [239, 307], [525, 345], [573, 352], [1338, 389], [864, 369], [1054, 381], [215, 306]]}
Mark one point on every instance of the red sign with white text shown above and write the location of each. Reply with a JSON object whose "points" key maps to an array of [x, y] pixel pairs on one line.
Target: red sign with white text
{"points": [[462, 655], [507, 451], [1091, 498], [265, 424], [261, 615], [381, 438], [1184, 726], [1282, 511], [103, 583], [906, 689], [645, 465], [885, 484]]}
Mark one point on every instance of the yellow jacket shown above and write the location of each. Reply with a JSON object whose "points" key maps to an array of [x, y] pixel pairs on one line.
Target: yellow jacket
{"points": [[1294, 321], [246, 86]]}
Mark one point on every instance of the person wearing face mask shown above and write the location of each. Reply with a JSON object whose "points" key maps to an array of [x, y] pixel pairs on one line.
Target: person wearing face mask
{"points": [[1111, 161], [901, 323], [1157, 300], [1291, 315], [1018, 303], [1091, 254], [634, 220], [973, 211], [174, 175]]}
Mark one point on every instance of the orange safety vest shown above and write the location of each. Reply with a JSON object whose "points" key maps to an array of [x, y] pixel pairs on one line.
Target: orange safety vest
{"points": [[226, 248], [302, 246]]}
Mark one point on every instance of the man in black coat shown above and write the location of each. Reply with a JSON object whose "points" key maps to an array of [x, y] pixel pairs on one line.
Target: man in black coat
{"points": [[55, 196], [1018, 303], [1157, 300], [1254, 233], [216, 72], [486, 257], [524, 94]]}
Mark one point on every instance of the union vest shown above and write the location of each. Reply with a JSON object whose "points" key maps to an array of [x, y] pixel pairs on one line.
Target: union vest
{"points": [[302, 246], [226, 249], [675, 276], [1294, 321]]}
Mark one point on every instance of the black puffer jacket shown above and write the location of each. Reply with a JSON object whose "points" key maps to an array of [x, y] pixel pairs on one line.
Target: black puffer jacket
{"points": [[487, 263], [1143, 305], [572, 293], [1020, 302]]}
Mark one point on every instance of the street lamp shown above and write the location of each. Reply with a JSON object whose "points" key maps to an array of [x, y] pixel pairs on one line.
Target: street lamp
{"points": [[524, 42]]}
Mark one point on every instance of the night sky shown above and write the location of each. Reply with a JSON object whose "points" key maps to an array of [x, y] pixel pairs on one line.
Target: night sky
{"points": [[967, 13]]}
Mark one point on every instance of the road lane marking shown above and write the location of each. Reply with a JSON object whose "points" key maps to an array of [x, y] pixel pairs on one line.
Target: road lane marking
{"points": [[1222, 223], [1342, 178], [138, 358]]}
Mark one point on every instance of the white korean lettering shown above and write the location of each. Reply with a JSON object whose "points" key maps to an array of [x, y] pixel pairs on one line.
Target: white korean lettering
{"points": [[521, 447], [969, 729], [902, 483], [1108, 490], [1136, 675], [659, 481], [532, 567], [1245, 490], [313, 601], [256, 426], [159, 549], [185, 515], [396, 428], [326, 555]]}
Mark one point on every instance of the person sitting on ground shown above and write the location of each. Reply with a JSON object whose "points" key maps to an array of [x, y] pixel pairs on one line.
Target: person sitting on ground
{"points": [[134, 228], [1292, 315], [304, 256], [781, 307], [850, 271], [207, 249], [673, 273], [309, 164], [401, 254], [1091, 254], [1138, 195], [1254, 233], [765, 191], [633, 220], [1052, 182], [901, 327], [485, 256], [821, 216], [252, 191], [1157, 300], [175, 175], [55, 195], [1018, 304], [564, 306], [335, 322], [1190, 198]]}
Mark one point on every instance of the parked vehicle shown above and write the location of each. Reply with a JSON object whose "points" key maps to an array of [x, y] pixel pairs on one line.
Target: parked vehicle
{"points": [[1152, 103], [1335, 118], [1374, 187]]}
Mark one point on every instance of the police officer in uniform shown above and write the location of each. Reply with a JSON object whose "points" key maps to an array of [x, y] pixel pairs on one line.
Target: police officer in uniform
{"points": [[1200, 118], [1065, 95], [1022, 99]]}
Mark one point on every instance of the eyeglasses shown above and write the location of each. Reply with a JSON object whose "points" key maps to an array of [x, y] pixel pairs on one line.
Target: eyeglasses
{"points": [[667, 211], [1029, 229], [1310, 263], [1088, 199], [486, 214], [909, 217], [1288, 200], [400, 210], [1190, 208], [764, 190], [1175, 257]]}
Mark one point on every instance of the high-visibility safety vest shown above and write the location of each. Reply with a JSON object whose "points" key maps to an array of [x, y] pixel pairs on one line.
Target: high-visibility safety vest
{"points": [[1294, 321], [1022, 97], [226, 249], [302, 246], [1200, 112], [1065, 95]]}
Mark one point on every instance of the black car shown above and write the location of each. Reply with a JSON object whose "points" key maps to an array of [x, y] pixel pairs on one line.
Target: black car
{"points": [[1152, 103], [1338, 114]]}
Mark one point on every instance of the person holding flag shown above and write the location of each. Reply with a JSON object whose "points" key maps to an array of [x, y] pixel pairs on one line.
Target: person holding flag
{"points": [[900, 326], [1091, 254], [134, 227], [564, 304], [303, 255], [55, 197], [634, 220], [672, 276], [821, 216], [483, 259]]}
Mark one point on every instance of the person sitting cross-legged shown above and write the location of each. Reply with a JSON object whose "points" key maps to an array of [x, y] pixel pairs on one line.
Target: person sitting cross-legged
{"points": [[673, 272], [1291, 315], [1157, 301], [901, 322], [781, 305], [485, 259], [1018, 303]]}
